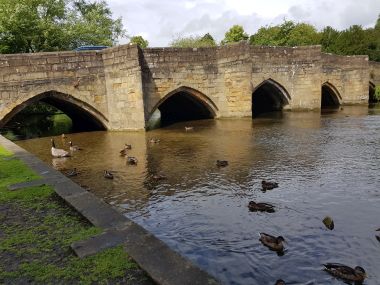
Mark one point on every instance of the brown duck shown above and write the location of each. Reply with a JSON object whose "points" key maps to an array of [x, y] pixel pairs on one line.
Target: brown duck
{"points": [[347, 273], [273, 243], [260, 207], [267, 185], [107, 174], [132, 160], [221, 163]]}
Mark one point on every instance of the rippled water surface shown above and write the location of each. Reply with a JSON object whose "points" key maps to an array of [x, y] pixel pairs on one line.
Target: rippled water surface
{"points": [[325, 165]]}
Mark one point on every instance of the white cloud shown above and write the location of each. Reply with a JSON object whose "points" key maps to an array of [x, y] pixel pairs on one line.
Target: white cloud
{"points": [[160, 21]]}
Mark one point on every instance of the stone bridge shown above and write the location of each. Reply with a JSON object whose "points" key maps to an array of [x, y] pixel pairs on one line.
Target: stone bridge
{"points": [[120, 88]]}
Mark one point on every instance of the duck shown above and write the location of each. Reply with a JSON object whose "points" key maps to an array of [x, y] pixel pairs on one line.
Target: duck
{"points": [[260, 207], [273, 243], [159, 177], [123, 152], [345, 272], [154, 140], [266, 185], [329, 223], [107, 174], [280, 282], [57, 152], [63, 136], [221, 163], [189, 129], [132, 160], [71, 173], [74, 147]]}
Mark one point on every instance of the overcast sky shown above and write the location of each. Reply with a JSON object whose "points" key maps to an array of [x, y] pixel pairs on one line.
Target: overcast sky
{"points": [[160, 21]]}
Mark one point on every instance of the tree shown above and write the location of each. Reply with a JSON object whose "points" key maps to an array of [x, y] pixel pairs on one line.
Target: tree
{"points": [[140, 41], [235, 34], [52, 25], [194, 41]]}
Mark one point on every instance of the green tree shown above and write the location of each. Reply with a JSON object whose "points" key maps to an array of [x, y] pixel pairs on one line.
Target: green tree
{"points": [[140, 41], [194, 41], [235, 34], [52, 25]]}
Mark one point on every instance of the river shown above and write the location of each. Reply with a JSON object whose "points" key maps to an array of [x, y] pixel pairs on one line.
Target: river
{"points": [[325, 164]]}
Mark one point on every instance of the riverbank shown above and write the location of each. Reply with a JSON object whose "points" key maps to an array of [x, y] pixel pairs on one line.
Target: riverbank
{"points": [[36, 230]]}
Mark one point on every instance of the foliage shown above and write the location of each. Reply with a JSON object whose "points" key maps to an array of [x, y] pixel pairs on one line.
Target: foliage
{"points": [[377, 93], [37, 231], [194, 41], [52, 25], [140, 41], [40, 108], [286, 34], [235, 34]]}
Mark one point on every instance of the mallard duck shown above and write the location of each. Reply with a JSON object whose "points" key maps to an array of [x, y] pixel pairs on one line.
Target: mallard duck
{"points": [[74, 147], [159, 177], [154, 140], [72, 172], [280, 282], [221, 163], [273, 243], [266, 185], [189, 129], [328, 222], [123, 152], [57, 152], [260, 207], [356, 274], [132, 160], [108, 174]]}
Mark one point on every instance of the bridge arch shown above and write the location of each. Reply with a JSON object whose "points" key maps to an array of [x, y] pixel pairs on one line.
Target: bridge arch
{"points": [[84, 116], [330, 96], [269, 96], [371, 93], [184, 104]]}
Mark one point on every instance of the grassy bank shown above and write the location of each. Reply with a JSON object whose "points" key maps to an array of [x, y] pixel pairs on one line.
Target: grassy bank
{"points": [[36, 230]]}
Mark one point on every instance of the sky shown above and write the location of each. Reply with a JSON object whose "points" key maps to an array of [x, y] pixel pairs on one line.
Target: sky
{"points": [[162, 21]]}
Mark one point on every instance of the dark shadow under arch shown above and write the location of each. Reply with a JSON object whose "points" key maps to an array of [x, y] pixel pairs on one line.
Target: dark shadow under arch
{"points": [[330, 96], [269, 96], [83, 116], [371, 93], [184, 104]]}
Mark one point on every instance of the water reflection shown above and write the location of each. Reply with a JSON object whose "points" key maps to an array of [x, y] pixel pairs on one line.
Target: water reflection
{"points": [[325, 164]]}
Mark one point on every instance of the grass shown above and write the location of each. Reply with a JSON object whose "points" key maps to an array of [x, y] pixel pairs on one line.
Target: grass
{"points": [[36, 230]]}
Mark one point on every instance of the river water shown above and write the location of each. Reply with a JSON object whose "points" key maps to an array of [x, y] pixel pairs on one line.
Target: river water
{"points": [[325, 164]]}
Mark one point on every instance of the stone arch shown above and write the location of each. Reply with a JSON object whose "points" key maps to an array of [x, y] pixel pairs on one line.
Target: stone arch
{"points": [[371, 93], [269, 96], [83, 115], [330, 96], [184, 104]]}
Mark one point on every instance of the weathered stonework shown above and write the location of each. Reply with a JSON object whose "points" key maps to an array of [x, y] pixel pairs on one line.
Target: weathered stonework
{"points": [[122, 86]]}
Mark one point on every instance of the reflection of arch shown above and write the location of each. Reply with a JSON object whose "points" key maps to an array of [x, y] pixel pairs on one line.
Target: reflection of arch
{"points": [[185, 103], [269, 96], [371, 93], [330, 96], [83, 115]]}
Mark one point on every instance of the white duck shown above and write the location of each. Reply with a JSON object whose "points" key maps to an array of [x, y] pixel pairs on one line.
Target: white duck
{"points": [[57, 152]]}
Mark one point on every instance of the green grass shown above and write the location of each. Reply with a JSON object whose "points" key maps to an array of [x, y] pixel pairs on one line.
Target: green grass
{"points": [[36, 230]]}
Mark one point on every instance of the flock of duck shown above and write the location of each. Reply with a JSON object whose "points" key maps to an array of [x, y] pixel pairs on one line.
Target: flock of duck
{"points": [[276, 244]]}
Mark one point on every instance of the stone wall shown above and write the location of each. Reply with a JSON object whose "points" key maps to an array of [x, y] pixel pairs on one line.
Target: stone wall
{"points": [[124, 87], [349, 75], [79, 75], [297, 69]]}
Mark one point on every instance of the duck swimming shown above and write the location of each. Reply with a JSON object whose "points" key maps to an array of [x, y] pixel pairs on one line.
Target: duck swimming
{"points": [[347, 273], [266, 185], [74, 147], [107, 174], [123, 152], [280, 282], [189, 129], [273, 243], [72, 172], [221, 163], [154, 140], [260, 207], [57, 152], [132, 160]]}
